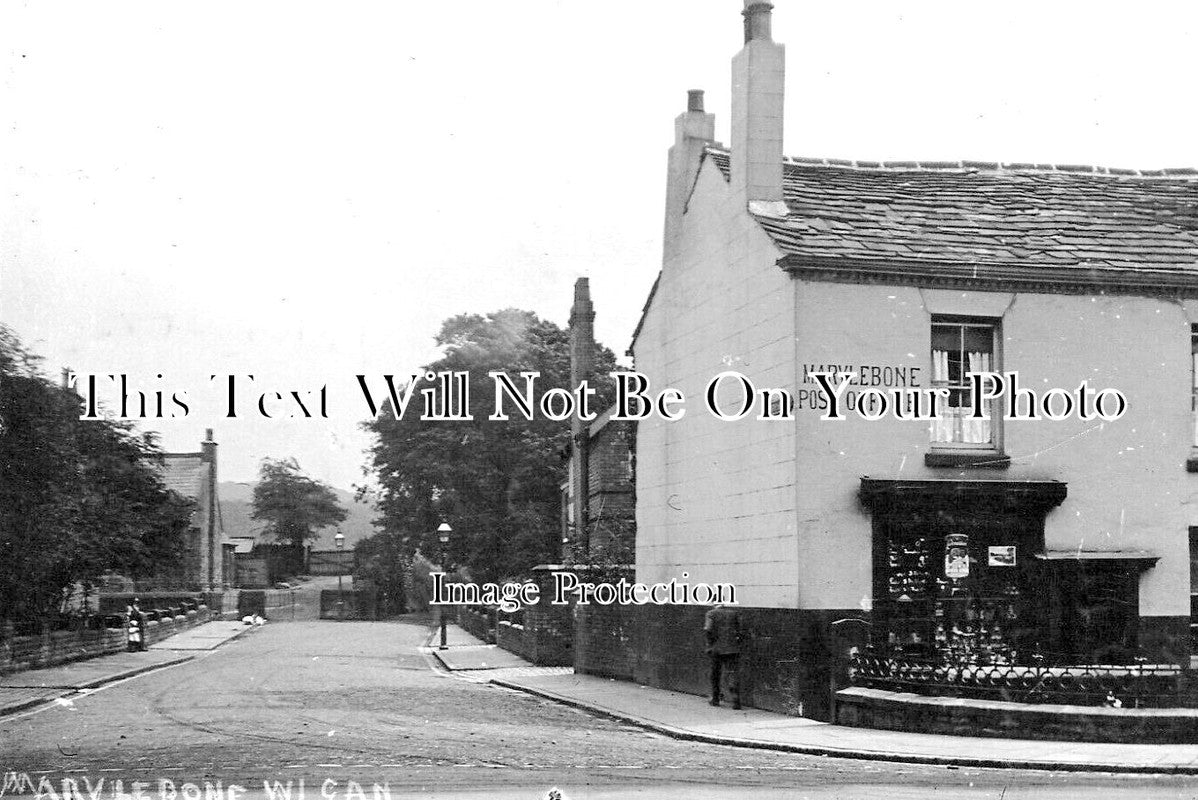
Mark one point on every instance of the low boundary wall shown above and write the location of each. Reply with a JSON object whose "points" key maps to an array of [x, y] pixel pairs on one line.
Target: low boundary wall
{"points": [[548, 629], [51, 648], [117, 602], [541, 633], [511, 637], [476, 621], [900, 711]]}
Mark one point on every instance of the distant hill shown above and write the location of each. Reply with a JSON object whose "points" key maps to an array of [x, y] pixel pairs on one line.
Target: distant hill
{"points": [[236, 506]]}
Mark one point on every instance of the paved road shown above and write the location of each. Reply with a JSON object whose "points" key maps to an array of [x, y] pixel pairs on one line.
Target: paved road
{"points": [[346, 707]]}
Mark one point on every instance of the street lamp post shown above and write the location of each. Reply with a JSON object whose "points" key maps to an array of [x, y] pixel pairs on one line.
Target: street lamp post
{"points": [[443, 532], [340, 540]]}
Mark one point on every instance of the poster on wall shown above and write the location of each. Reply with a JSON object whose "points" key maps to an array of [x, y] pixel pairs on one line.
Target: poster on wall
{"points": [[956, 556], [1002, 556]]}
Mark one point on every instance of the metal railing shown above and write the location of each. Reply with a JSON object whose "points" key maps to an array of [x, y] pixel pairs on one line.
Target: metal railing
{"points": [[1137, 685]]}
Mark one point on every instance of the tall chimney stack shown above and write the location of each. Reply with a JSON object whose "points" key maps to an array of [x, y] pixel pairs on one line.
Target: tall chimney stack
{"points": [[582, 368], [582, 334], [215, 565], [693, 130], [758, 75]]}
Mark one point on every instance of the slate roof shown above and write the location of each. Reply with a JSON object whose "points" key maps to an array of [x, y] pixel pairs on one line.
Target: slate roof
{"points": [[1018, 222], [242, 544], [184, 473]]}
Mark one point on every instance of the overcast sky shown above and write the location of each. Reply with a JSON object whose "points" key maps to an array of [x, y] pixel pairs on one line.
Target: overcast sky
{"points": [[304, 191]]}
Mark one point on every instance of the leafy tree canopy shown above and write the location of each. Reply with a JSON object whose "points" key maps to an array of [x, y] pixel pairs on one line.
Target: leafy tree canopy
{"points": [[293, 505], [76, 496], [496, 483]]}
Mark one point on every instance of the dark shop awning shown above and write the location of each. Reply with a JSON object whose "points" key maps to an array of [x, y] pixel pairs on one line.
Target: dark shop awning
{"points": [[1141, 559], [881, 493]]}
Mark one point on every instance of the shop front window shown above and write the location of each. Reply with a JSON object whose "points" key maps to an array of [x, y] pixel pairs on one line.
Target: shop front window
{"points": [[961, 347], [957, 589]]}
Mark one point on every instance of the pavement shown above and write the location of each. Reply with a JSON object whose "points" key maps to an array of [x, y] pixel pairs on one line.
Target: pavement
{"points": [[690, 717], [23, 690], [208, 636], [467, 653]]}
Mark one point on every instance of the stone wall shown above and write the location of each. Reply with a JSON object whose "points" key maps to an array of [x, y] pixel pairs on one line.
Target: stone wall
{"points": [[874, 708], [117, 602], [548, 628], [511, 636], [166, 627], [60, 647], [792, 662], [542, 634], [478, 622], [603, 640]]}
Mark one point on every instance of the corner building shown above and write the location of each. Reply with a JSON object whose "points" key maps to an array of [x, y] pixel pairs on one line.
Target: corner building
{"points": [[976, 540]]}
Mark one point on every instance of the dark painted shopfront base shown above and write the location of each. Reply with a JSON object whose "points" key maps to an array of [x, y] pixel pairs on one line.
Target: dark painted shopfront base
{"points": [[1165, 640], [794, 662], [896, 711]]}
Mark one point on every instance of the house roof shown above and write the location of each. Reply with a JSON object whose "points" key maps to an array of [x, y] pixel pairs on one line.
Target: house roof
{"points": [[1056, 226], [242, 544], [644, 312], [184, 473]]}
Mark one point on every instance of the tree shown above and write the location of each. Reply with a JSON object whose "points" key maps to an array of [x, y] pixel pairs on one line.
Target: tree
{"points": [[379, 560], [76, 496], [496, 483], [293, 505], [131, 522]]}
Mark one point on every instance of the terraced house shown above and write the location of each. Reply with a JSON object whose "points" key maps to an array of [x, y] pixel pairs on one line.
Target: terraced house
{"points": [[210, 562], [967, 539]]}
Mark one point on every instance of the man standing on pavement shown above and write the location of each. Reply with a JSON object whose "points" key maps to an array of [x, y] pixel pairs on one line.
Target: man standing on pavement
{"points": [[721, 627]]}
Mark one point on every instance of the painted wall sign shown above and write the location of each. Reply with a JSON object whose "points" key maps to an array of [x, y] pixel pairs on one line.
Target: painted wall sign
{"points": [[902, 376], [865, 376]]}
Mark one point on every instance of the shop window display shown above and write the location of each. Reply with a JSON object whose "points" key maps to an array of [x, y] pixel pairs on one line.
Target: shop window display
{"points": [[957, 590]]}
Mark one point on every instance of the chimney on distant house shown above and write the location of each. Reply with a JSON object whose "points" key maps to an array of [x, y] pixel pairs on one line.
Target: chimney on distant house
{"points": [[215, 567], [758, 73], [208, 447], [582, 368], [582, 334], [693, 130]]}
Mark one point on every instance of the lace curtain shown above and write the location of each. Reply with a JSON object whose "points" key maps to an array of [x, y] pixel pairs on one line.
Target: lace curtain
{"points": [[1194, 401], [954, 422]]}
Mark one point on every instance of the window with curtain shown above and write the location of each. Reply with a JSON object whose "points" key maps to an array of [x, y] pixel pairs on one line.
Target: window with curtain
{"points": [[960, 347]]}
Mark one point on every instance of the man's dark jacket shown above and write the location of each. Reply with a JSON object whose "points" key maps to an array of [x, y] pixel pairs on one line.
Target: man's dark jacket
{"points": [[722, 628]]}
